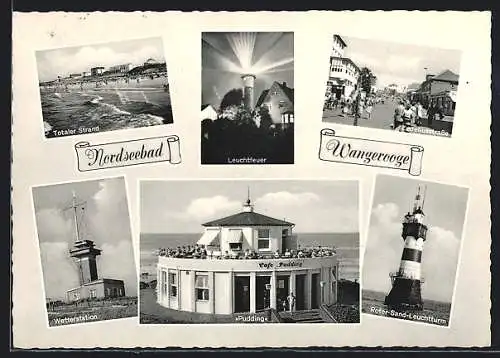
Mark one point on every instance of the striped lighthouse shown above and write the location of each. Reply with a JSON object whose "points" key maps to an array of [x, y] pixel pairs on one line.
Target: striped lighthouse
{"points": [[406, 283]]}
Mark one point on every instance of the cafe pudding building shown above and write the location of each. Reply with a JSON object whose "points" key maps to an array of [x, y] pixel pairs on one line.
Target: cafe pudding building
{"points": [[245, 263]]}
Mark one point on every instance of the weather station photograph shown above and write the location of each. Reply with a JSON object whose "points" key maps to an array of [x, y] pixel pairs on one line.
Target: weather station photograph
{"points": [[247, 112], [258, 251], [87, 258], [412, 250], [389, 85], [104, 87]]}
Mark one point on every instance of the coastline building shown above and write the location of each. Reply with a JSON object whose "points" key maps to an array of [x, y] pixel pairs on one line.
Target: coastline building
{"points": [[279, 100], [124, 68], [85, 255], [406, 283], [246, 263], [96, 71]]}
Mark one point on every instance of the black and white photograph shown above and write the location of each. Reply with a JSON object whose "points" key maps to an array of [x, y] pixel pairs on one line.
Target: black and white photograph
{"points": [[247, 112], [258, 251], [412, 251], [390, 85], [87, 257], [104, 87]]}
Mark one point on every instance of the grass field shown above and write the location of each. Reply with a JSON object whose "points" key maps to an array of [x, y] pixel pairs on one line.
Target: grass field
{"points": [[92, 311]]}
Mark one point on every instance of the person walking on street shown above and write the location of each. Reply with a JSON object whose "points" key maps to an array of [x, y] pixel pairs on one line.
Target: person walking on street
{"points": [[291, 302], [369, 108], [398, 115], [420, 113], [356, 107], [408, 115]]}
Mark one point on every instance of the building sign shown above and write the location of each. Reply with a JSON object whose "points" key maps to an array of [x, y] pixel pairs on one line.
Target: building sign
{"points": [[280, 264]]}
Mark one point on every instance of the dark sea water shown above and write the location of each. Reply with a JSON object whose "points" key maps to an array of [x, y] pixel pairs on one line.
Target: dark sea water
{"points": [[97, 110], [347, 248], [434, 312]]}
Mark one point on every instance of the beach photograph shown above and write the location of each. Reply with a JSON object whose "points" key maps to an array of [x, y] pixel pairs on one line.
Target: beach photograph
{"points": [[104, 87], [249, 251], [412, 251], [86, 251], [247, 113]]}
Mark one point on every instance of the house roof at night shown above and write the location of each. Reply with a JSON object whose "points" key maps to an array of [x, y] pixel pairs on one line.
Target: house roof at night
{"points": [[447, 75], [248, 219], [289, 92]]}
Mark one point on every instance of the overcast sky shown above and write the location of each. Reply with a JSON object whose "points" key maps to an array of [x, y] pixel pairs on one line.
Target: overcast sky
{"points": [[313, 206], [399, 63], [66, 60], [445, 207], [104, 220], [218, 57]]}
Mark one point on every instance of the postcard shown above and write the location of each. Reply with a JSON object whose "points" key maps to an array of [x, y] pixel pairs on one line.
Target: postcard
{"points": [[251, 179]]}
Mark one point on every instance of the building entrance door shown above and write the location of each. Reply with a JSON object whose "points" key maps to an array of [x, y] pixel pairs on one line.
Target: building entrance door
{"points": [[300, 292], [241, 294], [282, 291], [315, 290], [262, 292]]}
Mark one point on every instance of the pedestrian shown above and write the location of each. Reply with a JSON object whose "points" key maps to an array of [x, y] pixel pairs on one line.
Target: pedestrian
{"points": [[408, 115], [419, 114], [283, 303], [291, 302], [398, 115], [369, 108]]}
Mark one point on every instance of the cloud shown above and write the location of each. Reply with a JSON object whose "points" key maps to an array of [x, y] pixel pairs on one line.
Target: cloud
{"points": [[59, 271], [291, 206], [109, 218], [117, 262], [53, 226], [286, 199], [59, 62], [203, 208], [385, 246]]}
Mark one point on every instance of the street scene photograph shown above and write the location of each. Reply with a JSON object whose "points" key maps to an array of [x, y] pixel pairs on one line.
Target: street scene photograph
{"points": [[394, 86], [247, 112], [86, 251], [104, 87], [239, 251]]}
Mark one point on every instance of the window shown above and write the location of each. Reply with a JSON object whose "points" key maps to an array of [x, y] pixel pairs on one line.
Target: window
{"points": [[108, 292], [164, 285], [172, 281], [263, 242], [93, 293], [201, 287], [263, 233], [235, 246]]}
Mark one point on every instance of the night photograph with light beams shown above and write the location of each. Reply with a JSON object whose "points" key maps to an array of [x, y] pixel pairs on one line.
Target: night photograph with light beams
{"points": [[247, 114]]}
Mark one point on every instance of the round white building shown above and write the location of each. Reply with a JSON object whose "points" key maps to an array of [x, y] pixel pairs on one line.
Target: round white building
{"points": [[247, 262]]}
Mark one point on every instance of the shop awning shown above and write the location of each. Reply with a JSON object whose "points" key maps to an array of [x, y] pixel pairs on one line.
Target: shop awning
{"points": [[235, 236], [208, 238], [453, 95]]}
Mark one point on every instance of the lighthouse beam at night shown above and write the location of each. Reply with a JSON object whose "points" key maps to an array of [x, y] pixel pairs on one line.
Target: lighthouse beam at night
{"points": [[406, 283], [248, 90]]}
